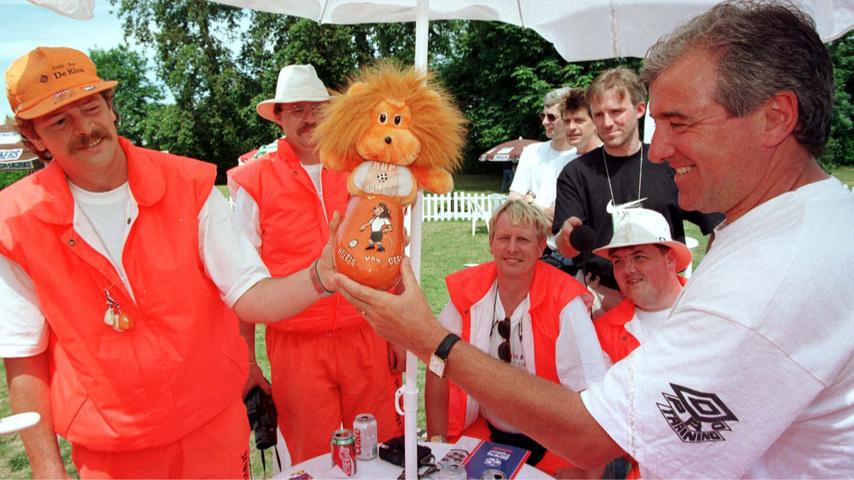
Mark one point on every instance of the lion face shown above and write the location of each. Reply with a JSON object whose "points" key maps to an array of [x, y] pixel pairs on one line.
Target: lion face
{"points": [[388, 138]]}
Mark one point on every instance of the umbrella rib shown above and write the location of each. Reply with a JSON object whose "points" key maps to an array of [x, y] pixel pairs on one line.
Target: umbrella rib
{"points": [[615, 29], [323, 11]]}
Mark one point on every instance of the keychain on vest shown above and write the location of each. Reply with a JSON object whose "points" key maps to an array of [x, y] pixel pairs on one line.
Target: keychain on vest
{"points": [[114, 316]]}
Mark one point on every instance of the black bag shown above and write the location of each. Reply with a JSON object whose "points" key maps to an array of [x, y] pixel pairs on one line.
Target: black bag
{"points": [[262, 419], [392, 451]]}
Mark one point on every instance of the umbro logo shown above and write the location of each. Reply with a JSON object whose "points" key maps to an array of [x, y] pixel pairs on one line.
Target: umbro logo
{"points": [[695, 416]]}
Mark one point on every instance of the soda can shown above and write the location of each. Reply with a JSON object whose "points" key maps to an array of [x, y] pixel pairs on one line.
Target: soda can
{"points": [[453, 470], [365, 428], [493, 474], [454, 455], [344, 451]]}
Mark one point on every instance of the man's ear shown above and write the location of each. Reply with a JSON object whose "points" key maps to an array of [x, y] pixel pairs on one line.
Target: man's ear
{"points": [[670, 257], [640, 110], [780, 114], [541, 244], [29, 132]]}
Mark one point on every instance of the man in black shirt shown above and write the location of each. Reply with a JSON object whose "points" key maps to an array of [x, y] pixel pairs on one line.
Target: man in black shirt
{"points": [[618, 172]]}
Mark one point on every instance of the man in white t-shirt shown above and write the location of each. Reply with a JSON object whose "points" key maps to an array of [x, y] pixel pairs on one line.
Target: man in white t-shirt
{"points": [[752, 373], [541, 163]]}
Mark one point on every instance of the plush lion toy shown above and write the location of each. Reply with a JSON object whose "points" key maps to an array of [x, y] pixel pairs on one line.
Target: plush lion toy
{"points": [[396, 130]]}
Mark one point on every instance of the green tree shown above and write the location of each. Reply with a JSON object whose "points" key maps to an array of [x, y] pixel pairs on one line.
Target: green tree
{"points": [[136, 94], [840, 146], [501, 89], [218, 62]]}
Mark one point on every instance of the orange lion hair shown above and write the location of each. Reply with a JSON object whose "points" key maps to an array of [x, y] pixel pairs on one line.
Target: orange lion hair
{"points": [[397, 116]]}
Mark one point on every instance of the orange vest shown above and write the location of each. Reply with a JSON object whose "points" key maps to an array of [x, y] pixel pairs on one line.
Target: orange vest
{"points": [[615, 340], [183, 362], [551, 290], [294, 229]]}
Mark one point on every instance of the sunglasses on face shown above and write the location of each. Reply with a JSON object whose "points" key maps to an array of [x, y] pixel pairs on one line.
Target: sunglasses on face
{"points": [[551, 116], [301, 110]]}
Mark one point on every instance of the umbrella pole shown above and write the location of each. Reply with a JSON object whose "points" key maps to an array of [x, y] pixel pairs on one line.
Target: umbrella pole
{"points": [[411, 386]]}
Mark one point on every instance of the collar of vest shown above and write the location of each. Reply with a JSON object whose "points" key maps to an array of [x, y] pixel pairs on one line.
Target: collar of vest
{"points": [[470, 285], [284, 152], [56, 205], [625, 310]]}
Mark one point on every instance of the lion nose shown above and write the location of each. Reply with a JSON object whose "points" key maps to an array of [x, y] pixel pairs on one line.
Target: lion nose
{"points": [[388, 140]]}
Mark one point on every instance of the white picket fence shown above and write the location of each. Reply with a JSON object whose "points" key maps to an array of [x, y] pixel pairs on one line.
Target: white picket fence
{"points": [[460, 206]]}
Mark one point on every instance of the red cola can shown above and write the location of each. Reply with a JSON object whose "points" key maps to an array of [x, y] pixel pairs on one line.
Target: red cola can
{"points": [[344, 451], [365, 428]]}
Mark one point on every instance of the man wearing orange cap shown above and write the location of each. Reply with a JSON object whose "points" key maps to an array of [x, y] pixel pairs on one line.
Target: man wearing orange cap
{"points": [[121, 279], [646, 261], [326, 364]]}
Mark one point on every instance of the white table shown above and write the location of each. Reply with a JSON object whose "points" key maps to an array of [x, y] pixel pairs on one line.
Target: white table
{"points": [[320, 467]]}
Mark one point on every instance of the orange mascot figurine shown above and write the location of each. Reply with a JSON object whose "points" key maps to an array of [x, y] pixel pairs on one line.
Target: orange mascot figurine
{"points": [[396, 131]]}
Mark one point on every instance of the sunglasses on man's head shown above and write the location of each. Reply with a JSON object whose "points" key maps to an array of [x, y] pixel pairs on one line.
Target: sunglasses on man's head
{"points": [[551, 116]]}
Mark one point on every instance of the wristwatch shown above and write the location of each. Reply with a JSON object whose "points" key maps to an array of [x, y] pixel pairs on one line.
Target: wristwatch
{"points": [[440, 356]]}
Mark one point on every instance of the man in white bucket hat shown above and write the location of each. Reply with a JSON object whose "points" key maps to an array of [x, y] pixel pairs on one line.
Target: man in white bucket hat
{"points": [[326, 364], [646, 261]]}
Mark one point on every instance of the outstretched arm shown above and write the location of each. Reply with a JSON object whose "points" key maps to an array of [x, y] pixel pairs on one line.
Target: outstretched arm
{"points": [[29, 391], [277, 298], [548, 412]]}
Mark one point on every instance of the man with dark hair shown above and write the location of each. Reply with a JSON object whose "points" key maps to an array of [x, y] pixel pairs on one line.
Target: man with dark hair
{"points": [[580, 129], [616, 173], [751, 374], [121, 279]]}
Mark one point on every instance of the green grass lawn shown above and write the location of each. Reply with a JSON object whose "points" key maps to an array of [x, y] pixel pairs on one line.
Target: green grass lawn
{"points": [[845, 175]]}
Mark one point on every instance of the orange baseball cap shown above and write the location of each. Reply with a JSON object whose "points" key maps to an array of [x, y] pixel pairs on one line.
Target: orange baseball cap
{"points": [[48, 78]]}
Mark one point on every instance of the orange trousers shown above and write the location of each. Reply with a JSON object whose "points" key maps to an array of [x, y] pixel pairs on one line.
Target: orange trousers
{"points": [[218, 449], [322, 381], [550, 463]]}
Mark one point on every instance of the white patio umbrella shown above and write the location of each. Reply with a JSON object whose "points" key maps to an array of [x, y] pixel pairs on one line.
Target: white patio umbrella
{"points": [[579, 29]]}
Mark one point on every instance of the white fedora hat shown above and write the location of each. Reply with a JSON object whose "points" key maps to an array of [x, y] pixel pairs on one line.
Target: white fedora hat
{"points": [[640, 226], [297, 83]]}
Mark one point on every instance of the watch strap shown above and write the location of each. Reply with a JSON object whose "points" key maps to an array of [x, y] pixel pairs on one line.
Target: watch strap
{"points": [[444, 348]]}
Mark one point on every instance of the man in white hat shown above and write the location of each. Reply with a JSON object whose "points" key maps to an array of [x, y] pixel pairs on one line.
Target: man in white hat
{"points": [[646, 261], [326, 363]]}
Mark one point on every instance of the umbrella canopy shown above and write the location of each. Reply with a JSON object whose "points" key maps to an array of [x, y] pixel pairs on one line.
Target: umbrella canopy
{"points": [[621, 28], [579, 30], [506, 152]]}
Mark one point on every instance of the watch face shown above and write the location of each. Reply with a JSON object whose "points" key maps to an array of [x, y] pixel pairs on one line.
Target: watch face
{"points": [[437, 366]]}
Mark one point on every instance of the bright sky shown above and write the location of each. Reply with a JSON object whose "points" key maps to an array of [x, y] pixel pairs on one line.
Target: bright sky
{"points": [[26, 26]]}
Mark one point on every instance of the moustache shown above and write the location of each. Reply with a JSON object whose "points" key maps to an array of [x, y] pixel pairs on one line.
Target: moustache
{"points": [[98, 134], [305, 128]]}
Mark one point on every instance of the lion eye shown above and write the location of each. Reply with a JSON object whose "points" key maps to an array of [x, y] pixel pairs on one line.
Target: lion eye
{"points": [[383, 117], [397, 119]]}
